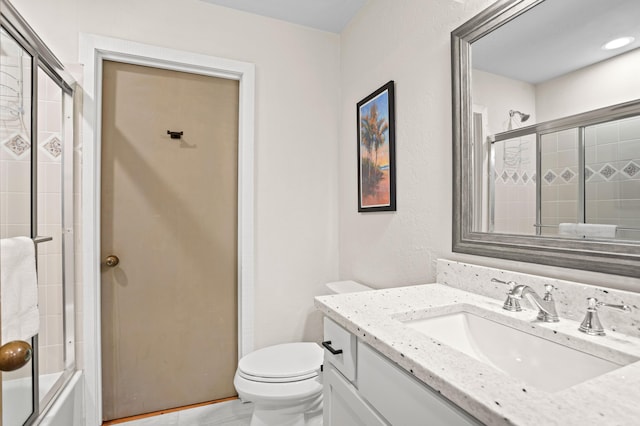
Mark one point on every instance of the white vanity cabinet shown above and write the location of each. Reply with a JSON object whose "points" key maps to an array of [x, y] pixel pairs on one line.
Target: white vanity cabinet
{"points": [[362, 387], [343, 404]]}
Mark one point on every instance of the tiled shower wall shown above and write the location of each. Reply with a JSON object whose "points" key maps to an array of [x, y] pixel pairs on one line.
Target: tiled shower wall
{"points": [[15, 149], [612, 167], [559, 179], [15, 142], [515, 186], [15, 192], [612, 177], [50, 288]]}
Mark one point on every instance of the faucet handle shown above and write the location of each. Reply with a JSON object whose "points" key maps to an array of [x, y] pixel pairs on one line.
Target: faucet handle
{"points": [[510, 304], [591, 323], [625, 308], [511, 284], [548, 290]]}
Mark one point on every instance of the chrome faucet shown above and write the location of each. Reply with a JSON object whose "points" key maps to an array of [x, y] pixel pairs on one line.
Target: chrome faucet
{"points": [[546, 305]]}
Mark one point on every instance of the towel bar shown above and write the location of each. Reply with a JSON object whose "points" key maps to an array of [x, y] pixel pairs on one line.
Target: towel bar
{"points": [[620, 228], [40, 239]]}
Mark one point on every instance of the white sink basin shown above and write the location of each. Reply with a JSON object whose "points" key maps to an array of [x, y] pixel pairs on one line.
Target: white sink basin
{"points": [[541, 363]]}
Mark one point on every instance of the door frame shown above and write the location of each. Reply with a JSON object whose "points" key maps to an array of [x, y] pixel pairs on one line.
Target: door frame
{"points": [[93, 50]]}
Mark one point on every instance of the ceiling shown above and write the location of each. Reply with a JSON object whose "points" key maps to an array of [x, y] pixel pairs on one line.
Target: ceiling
{"points": [[551, 39], [326, 15], [557, 37]]}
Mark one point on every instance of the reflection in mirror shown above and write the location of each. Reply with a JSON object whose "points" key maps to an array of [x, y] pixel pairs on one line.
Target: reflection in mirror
{"points": [[547, 133], [550, 62], [523, 77], [612, 176], [577, 182]]}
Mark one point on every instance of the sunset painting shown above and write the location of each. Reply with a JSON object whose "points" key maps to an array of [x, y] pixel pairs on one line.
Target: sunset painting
{"points": [[376, 137]]}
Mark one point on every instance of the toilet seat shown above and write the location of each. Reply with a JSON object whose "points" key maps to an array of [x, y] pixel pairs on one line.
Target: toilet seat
{"points": [[285, 363], [280, 393]]}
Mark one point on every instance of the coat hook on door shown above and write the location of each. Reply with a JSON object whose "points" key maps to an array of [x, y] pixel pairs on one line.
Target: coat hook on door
{"points": [[175, 135]]}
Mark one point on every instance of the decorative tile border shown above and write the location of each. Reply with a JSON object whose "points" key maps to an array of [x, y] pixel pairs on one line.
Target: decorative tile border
{"points": [[510, 176], [596, 172], [52, 146], [567, 175], [550, 177], [588, 172], [631, 169], [17, 145], [607, 171]]}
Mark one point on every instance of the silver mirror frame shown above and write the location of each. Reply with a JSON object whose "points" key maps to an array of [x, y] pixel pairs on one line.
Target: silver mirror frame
{"points": [[617, 258]]}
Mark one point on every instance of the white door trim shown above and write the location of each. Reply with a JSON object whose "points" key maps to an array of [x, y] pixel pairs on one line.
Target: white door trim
{"points": [[93, 50]]}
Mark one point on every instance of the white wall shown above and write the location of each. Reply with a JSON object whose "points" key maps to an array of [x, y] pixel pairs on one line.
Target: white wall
{"points": [[297, 90], [408, 42], [602, 84], [500, 95]]}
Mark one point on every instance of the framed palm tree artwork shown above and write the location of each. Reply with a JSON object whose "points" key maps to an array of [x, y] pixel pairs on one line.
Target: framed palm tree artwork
{"points": [[376, 151]]}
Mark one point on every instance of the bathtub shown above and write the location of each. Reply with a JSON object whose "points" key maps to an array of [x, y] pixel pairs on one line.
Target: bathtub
{"points": [[65, 410], [68, 408], [16, 401]]}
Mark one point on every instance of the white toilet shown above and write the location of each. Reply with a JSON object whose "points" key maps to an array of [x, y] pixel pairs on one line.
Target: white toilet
{"points": [[284, 382]]}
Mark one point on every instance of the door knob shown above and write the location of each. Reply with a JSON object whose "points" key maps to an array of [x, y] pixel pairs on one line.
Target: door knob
{"points": [[111, 261], [14, 355]]}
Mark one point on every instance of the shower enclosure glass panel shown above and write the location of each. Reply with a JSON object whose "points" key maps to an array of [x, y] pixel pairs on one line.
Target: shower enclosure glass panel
{"points": [[16, 143]]}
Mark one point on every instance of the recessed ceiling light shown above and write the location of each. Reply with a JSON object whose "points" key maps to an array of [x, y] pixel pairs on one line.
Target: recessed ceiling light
{"points": [[618, 43]]}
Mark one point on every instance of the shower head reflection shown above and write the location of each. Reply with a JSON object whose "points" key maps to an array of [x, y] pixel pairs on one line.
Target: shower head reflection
{"points": [[523, 117]]}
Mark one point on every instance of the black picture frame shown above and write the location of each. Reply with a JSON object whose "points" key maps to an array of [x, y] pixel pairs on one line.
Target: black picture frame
{"points": [[376, 151]]}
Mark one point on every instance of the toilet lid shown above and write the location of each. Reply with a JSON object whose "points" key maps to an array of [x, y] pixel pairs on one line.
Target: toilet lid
{"points": [[282, 363]]}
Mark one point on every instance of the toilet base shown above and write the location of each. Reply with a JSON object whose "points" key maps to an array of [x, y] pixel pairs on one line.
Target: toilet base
{"points": [[269, 415]]}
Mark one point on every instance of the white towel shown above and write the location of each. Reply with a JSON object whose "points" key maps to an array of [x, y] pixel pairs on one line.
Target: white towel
{"points": [[568, 229], [596, 230], [19, 285]]}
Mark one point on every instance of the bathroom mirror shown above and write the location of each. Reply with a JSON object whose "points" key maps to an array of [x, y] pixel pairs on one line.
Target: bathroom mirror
{"points": [[546, 128]]}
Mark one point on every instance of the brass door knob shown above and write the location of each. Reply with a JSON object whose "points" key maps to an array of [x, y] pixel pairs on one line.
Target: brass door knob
{"points": [[111, 261], [14, 355]]}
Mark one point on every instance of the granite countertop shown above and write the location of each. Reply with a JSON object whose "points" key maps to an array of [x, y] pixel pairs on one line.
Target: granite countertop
{"points": [[485, 392]]}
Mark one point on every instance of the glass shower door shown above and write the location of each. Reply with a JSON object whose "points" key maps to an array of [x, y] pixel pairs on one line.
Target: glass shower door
{"points": [[16, 162], [36, 201]]}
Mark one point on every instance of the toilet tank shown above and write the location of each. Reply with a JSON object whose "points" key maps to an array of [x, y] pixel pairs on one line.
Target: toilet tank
{"points": [[339, 287]]}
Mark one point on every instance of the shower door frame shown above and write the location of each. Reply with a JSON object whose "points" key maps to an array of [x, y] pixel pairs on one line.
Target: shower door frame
{"points": [[93, 51]]}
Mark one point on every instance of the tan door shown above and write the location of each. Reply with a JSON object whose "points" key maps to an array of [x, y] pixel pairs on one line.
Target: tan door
{"points": [[169, 213]]}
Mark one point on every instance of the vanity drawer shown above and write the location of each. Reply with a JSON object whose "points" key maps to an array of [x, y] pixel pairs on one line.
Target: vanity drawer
{"points": [[339, 339], [401, 398]]}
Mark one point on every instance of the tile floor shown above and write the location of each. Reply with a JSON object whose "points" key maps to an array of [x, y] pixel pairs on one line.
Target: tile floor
{"points": [[230, 413]]}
